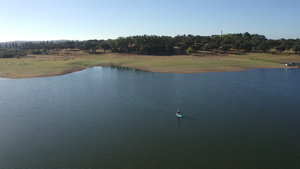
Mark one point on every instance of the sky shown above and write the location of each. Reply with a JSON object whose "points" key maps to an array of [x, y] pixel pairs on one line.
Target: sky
{"points": [[110, 19]]}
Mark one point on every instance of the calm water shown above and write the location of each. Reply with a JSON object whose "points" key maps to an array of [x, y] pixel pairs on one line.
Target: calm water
{"points": [[124, 118]]}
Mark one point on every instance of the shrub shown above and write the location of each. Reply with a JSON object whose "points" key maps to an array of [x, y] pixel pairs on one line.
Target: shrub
{"points": [[189, 51], [36, 52], [8, 55]]}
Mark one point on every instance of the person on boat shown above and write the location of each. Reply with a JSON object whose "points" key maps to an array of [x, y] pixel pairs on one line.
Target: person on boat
{"points": [[178, 112]]}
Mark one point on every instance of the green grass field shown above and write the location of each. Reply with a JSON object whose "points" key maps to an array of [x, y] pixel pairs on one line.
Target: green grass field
{"points": [[51, 65]]}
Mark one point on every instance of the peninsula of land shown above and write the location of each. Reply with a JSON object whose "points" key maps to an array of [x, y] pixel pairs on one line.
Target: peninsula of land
{"points": [[33, 66]]}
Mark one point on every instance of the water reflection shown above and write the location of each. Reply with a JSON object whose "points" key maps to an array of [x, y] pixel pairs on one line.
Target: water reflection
{"points": [[188, 118], [128, 69]]}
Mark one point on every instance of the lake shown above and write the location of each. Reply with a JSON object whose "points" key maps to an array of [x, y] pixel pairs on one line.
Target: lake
{"points": [[106, 117]]}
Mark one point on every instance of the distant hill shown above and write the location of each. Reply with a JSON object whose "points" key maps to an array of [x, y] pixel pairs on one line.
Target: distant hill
{"points": [[22, 42]]}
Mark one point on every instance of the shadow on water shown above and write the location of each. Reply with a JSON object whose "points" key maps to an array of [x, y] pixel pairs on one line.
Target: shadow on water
{"points": [[185, 118], [189, 118]]}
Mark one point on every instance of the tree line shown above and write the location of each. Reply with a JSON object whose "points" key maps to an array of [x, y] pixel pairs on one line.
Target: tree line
{"points": [[162, 45]]}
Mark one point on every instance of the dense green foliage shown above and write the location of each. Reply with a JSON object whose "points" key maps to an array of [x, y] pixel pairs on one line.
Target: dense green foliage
{"points": [[162, 45]]}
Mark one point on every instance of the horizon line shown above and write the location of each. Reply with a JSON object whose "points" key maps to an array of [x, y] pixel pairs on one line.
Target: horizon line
{"points": [[10, 41]]}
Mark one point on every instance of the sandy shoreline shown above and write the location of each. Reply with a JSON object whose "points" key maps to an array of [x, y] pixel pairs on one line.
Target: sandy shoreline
{"points": [[147, 70]]}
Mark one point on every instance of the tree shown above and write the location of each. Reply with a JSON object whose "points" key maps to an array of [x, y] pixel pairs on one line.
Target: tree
{"points": [[185, 42], [189, 51], [247, 46], [69, 44], [255, 43], [258, 37], [296, 47], [287, 43], [243, 45], [247, 36], [87, 46], [226, 47], [264, 46], [169, 48], [280, 48], [227, 41], [105, 46], [206, 39], [90, 45], [196, 47], [211, 46], [273, 43], [113, 45], [124, 44]]}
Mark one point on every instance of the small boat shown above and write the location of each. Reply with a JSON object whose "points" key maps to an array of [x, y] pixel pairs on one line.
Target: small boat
{"points": [[178, 113]]}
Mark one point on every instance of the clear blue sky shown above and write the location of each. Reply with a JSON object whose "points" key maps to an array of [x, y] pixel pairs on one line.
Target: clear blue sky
{"points": [[104, 19]]}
